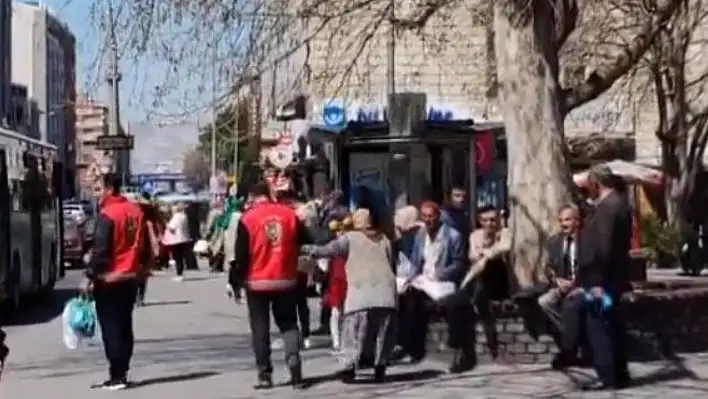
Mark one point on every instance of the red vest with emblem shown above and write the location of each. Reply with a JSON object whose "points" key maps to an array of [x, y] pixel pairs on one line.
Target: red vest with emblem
{"points": [[274, 246], [128, 225]]}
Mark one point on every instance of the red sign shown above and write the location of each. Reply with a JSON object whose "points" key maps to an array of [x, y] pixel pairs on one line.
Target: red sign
{"points": [[484, 152], [286, 138]]}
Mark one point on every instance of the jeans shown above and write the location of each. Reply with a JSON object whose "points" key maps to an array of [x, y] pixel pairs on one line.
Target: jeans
{"points": [[114, 308], [283, 306]]}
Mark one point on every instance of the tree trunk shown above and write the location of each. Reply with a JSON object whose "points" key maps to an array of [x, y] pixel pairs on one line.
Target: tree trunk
{"points": [[538, 172]]}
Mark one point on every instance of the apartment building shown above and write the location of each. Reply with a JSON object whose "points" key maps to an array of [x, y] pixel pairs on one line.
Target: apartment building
{"points": [[44, 61], [91, 163], [6, 108]]}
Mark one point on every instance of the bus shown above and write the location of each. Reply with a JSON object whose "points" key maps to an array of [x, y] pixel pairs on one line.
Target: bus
{"points": [[30, 219]]}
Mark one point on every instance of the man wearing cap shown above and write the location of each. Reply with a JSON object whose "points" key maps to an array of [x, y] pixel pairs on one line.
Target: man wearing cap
{"points": [[603, 273]]}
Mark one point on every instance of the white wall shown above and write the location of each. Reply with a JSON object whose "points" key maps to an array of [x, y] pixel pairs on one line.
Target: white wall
{"points": [[29, 60]]}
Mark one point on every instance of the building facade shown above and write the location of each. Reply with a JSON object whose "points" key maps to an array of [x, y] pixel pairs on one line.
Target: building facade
{"points": [[6, 109], [44, 61]]}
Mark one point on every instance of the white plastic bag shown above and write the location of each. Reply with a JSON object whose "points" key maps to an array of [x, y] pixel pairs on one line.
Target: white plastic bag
{"points": [[71, 340], [201, 247]]}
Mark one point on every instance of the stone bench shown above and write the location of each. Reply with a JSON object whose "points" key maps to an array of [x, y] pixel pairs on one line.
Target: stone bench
{"points": [[663, 319]]}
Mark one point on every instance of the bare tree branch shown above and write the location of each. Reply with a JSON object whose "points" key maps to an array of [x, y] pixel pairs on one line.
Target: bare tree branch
{"points": [[566, 19], [600, 81]]}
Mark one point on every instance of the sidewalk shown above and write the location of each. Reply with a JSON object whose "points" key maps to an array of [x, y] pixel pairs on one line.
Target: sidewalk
{"points": [[192, 342]]}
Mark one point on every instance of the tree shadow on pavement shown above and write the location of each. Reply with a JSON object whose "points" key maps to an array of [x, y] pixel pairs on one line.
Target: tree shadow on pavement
{"points": [[173, 378], [673, 370], [408, 376], [166, 303], [41, 310]]}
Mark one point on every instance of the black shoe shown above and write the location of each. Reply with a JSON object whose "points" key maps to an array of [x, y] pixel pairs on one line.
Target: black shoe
{"points": [[379, 374], [347, 375], [113, 384], [461, 363], [296, 380], [265, 381]]}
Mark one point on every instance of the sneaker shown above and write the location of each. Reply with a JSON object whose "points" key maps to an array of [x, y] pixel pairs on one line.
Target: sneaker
{"points": [[265, 381], [307, 343], [178, 279], [112, 384], [277, 344], [296, 380]]}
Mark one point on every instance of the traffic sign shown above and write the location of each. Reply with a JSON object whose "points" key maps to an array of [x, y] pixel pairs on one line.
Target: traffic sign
{"points": [[114, 142], [281, 156]]}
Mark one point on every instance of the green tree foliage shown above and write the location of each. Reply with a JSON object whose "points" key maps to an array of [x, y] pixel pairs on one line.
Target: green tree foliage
{"points": [[228, 121]]}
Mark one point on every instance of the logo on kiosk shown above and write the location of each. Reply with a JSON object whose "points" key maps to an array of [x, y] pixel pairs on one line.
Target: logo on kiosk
{"points": [[334, 115]]}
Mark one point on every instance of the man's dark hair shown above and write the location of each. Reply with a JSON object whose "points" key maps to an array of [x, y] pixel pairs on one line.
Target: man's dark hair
{"points": [[485, 209], [602, 175], [112, 182], [259, 189]]}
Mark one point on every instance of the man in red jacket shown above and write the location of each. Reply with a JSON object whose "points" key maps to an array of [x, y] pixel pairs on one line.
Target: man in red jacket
{"points": [[269, 239], [118, 256]]}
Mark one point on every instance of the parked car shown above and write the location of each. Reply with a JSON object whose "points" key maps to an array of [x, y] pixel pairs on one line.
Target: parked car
{"points": [[73, 242]]}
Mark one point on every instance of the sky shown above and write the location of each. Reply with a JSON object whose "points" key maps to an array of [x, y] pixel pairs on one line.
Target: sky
{"points": [[76, 14]]}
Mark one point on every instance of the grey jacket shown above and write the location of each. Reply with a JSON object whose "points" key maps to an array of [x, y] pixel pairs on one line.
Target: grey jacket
{"points": [[371, 280]]}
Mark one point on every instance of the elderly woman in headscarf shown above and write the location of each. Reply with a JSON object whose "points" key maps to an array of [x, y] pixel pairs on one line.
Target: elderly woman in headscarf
{"points": [[369, 311]]}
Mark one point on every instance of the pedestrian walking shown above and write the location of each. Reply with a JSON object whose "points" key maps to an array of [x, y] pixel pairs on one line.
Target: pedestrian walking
{"points": [[369, 312], [269, 239], [118, 254], [155, 228], [177, 238]]}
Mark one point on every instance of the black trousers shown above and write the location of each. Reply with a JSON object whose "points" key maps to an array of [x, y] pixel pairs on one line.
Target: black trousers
{"points": [[303, 309], [114, 307], [179, 254], [606, 335], [416, 310], [190, 259], [284, 309]]}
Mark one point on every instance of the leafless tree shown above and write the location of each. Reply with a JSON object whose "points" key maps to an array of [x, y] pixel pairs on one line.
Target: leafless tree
{"points": [[531, 38], [196, 168], [679, 75]]}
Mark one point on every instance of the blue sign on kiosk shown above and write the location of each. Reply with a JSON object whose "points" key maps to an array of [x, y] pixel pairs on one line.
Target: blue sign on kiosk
{"points": [[148, 187], [334, 115]]}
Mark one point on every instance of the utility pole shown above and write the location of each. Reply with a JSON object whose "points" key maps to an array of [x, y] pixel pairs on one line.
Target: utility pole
{"points": [[391, 52], [237, 115], [113, 77], [213, 113]]}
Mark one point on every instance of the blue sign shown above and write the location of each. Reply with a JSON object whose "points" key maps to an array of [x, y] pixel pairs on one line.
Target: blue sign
{"points": [[148, 187], [334, 115], [379, 114]]}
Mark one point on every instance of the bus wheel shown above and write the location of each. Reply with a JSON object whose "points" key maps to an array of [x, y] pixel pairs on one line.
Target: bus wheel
{"points": [[12, 301]]}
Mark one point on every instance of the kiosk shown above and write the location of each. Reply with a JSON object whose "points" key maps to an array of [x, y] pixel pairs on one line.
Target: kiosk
{"points": [[405, 158]]}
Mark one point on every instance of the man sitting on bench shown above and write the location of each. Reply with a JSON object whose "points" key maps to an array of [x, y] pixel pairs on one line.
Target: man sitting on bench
{"points": [[562, 302]]}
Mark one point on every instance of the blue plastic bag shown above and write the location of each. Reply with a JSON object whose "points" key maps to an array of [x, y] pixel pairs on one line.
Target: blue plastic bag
{"points": [[79, 321], [601, 304]]}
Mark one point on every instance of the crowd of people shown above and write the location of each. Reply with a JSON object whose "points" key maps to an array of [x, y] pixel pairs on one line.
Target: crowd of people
{"points": [[381, 279]]}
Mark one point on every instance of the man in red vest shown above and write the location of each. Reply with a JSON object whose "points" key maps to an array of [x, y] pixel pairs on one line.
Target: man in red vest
{"points": [[269, 239], [115, 270]]}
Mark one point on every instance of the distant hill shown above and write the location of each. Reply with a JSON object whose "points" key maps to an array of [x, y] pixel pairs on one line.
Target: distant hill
{"points": [[160, 148]]}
